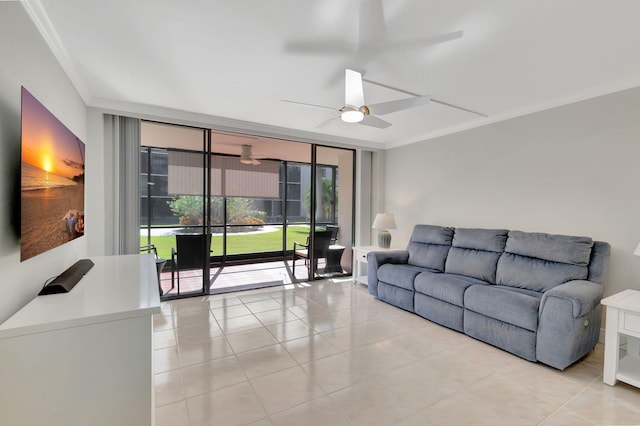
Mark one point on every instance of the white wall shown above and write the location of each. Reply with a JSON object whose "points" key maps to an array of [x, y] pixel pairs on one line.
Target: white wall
{"points": [[570, 170], [27, 61]]}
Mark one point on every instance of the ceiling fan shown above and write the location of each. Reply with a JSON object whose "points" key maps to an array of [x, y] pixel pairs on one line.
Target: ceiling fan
{"points": [[356, 111], [371, 38], [247, 157]]}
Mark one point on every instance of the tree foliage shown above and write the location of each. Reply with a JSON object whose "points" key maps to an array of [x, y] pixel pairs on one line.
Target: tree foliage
{"points": [[326, 200], [188, 208], [240, 211]]}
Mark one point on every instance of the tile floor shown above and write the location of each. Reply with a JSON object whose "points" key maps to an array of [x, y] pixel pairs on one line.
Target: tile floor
{"points": [[327, 353], [225, 278]]}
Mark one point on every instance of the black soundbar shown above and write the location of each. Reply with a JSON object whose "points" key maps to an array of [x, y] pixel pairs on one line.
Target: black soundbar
{"points": [[68, 279]]}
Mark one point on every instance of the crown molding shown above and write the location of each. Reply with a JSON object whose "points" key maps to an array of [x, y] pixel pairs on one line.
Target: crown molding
{"points": [[188, 118], [39, 16]]}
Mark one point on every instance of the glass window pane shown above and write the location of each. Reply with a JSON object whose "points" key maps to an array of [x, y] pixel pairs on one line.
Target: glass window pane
{"points": [[164, 215], [334, 186], [159, 161]]}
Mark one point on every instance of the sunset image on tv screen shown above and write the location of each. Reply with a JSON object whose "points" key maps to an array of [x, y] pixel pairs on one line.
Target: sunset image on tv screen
{"points": [[52, 181]]}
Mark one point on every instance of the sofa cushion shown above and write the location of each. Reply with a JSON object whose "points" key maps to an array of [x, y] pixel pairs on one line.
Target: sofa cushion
{"points": [[480, 239], [446, 287], [554, 248], [599, 262], [399, 275], [539, 262], [472, 263], [536, 274], [475, 252], [429, 246], [506, 304]]}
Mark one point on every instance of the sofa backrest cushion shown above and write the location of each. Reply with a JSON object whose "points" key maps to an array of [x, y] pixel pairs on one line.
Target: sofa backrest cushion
{"points": [[429, 246], [554, 248], [475, 253], [599, 262], [539, 262]]}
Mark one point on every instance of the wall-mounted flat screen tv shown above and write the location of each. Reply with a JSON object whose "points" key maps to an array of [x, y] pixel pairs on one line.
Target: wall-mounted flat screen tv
{"points": [[52, 181]]}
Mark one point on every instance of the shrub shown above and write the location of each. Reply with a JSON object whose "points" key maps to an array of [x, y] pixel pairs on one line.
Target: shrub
{"points": [[190, 220], [188, 208], [248, 221]]}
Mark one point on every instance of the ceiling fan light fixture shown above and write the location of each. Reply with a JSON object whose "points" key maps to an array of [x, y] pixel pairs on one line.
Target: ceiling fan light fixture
{"points": [[351, 114], [246, 157]]}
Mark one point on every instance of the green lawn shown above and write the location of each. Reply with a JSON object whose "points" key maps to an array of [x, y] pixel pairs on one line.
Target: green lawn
{"points": [[238, 243]]}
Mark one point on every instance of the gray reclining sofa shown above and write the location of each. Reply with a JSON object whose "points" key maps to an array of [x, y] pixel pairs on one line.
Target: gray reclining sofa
{"points": [[535, 295]]}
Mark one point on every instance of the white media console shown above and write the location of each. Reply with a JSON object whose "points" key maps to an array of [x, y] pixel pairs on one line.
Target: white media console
{"points": [[84, 357]]}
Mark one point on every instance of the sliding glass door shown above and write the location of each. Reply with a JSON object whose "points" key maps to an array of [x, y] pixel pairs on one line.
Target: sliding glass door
{"points": [[334, 200], [173, 207], [212, 201]]}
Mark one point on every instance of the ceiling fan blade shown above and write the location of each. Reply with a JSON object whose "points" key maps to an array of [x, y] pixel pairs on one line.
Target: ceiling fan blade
{"points": [[353, 91], [319, 48], [255, 162], [424, 42], [327, 122], [459, 107], [383, 108], [371, 121], [309, 105], [432, 100]]}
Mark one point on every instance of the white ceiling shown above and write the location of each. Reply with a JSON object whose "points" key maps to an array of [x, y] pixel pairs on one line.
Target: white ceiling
{"points": [[229, 58]]}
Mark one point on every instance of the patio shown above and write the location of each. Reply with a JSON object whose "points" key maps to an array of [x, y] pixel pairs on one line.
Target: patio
{"points": [[237, 277]]}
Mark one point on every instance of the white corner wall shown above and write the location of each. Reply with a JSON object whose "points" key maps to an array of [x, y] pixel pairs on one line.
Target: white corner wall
{"points": [[27, 61], [569, 170]]}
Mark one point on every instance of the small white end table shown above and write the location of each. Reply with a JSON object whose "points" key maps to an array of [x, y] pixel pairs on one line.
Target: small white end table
{"points": [[360, 260], [623, 319]]}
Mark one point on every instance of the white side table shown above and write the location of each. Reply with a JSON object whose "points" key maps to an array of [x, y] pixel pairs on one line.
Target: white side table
{"points": [[360, 260], [623, 319]]}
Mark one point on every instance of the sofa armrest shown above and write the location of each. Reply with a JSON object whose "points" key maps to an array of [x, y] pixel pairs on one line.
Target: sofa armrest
{"points": [[569, 323], [375, 259], [379, 258], [583, 295]]}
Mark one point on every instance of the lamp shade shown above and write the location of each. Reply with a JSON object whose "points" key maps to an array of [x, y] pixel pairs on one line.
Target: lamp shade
{"points": [[637, 250], [384, 221]]}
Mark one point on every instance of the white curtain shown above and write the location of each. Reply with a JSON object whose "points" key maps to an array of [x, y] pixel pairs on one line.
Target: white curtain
{"points": [[122, 140], [367, 197]]}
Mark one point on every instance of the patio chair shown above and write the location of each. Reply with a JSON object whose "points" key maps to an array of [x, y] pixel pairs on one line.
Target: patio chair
{"points": [[191, 252], [334, 233], [151, 249], [322, 240]]}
